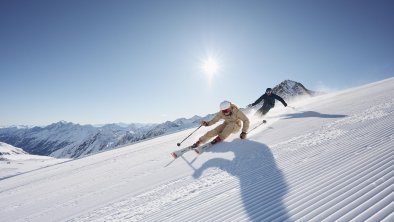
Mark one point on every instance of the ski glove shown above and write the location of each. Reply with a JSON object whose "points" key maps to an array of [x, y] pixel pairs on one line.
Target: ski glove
{"points": [[204, 123], [285, 104], [243, 135]]}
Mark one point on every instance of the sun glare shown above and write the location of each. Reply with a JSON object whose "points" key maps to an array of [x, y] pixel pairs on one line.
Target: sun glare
{"points": [[210, 66]]}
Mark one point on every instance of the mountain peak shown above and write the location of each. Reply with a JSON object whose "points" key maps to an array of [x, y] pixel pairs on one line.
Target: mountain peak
{"points": [[290, 83], [289, 88]]}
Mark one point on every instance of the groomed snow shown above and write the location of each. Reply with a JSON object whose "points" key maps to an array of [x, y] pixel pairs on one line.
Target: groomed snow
{"points": [[329, 159]]}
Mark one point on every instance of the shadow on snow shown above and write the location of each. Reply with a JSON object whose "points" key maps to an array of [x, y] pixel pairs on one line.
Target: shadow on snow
{"points": [[262, 184], [307, 114]]}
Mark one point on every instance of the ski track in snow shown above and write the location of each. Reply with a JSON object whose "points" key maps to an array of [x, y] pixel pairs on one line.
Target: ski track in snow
{"points": [[331, 168]]}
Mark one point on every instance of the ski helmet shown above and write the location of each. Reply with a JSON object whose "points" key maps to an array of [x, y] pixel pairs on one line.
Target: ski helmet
{"points": [[225, 105], [268, 90]]}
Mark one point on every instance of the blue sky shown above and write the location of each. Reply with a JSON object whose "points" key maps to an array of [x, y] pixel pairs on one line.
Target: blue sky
{"points": [[93, 62]]}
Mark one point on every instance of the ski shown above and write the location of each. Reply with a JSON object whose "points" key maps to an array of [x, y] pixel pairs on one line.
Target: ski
{"points": [[180, 152], [202, 148], [198, 150]]}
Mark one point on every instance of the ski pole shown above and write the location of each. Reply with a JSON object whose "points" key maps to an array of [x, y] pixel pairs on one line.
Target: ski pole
{"points": [[263, 122], [178, 144]]}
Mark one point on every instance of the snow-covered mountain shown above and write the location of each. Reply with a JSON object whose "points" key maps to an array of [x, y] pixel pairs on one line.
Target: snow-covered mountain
{"points": [[8, 152], [15, 161], [63, 139], [68, 140], [330, 159], [176, 125], [289, 89]]}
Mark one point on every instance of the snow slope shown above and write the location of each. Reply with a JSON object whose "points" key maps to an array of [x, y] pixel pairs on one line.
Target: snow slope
{"points": [[15, 161], [329, 159]]}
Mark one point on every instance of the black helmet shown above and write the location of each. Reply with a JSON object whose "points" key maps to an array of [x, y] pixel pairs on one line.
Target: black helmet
{"points": [[268, 90]]}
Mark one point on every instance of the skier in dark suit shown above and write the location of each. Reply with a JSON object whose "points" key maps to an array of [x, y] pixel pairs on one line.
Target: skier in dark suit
{"points": [[269, 102]]}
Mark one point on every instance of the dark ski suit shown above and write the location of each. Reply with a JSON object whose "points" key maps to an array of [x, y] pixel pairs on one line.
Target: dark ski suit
{"points": [[269, 102]]}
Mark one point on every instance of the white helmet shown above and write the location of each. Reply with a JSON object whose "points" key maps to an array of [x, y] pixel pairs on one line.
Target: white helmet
{"points": [[225, 105]]}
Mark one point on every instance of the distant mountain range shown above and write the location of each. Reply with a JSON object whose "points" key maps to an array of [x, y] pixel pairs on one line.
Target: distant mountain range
{"points": [[69, 140]]}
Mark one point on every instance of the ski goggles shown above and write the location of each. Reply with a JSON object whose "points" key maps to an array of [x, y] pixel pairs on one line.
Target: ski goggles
{"points": [[226, 111]]}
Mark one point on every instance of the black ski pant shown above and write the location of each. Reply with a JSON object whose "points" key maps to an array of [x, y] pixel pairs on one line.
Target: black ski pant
{"points": [[263, 110]]}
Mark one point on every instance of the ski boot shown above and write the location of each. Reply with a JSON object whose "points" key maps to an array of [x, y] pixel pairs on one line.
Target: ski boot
{"points": [[199, 150], [196, 144], [216, 140]]}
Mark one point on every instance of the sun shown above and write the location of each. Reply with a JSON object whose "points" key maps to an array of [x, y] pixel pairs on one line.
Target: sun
{"points": [[210, 66]]}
